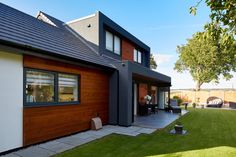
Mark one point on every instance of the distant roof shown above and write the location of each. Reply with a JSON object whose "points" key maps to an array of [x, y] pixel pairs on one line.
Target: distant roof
{"points": [[82, 18], [22, 29], [51, 20]]}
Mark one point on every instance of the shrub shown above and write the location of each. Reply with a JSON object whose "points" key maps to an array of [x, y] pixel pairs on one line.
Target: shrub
{"points": [[179, 100]]}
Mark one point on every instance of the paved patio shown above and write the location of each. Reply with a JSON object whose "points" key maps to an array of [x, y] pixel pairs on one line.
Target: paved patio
{"points": [[142, 125], [60, 145], [157, 121]]}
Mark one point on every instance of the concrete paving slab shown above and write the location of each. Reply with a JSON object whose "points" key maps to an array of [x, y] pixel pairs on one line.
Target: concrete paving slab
{"points": [[146, 130], [100, 133], [56, 146], [10, 155], [83, 135], [127, 133], [71, 141], [34, 151]]}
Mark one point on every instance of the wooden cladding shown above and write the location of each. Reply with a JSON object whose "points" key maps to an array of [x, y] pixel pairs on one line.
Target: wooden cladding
{"points": [[45, 123]]}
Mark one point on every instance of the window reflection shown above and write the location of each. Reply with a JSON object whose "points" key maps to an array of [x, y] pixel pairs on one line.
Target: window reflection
{"points": [[39, 86]]}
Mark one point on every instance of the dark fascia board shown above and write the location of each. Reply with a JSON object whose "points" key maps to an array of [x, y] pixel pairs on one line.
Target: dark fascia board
{"points": [[21, 49], [110, 23], [144, 71]]}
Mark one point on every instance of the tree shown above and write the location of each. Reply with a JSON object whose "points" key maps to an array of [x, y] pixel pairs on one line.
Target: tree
{"points": [[221, 31], [153, 64], [223, 12], [207, 58]]}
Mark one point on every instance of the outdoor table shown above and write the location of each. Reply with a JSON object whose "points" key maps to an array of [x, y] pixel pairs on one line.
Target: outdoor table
{"points": [[185, 105]]}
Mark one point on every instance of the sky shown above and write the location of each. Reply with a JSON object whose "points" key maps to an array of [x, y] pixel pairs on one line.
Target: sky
{"points": [[161, 24]]}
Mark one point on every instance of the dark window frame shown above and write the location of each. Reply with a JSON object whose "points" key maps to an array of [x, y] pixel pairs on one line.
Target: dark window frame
{"points": [[113, 43], [56, 89]]}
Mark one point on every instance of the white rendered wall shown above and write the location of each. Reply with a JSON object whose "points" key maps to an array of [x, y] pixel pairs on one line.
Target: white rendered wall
{"points": [[11, 101]]}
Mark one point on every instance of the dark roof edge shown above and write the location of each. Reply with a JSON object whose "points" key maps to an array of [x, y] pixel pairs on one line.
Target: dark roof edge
{"points": [[139, 69], [106, 20]]}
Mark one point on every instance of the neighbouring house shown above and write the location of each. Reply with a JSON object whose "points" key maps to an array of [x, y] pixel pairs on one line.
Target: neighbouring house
{"points": [[56, 76]]}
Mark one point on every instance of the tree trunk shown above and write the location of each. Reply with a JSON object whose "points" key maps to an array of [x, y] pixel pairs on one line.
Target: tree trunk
{"points": [[198, 86]]}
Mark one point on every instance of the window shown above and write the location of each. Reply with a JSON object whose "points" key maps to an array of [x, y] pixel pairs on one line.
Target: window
{"points": [[109, 41], [113, 43], [48, 88], [137, 56], [68, 88], [39, 86], [117, 45]]}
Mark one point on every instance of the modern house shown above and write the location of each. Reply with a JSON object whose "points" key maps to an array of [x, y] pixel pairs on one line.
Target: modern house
{"points": [[56, 76]]}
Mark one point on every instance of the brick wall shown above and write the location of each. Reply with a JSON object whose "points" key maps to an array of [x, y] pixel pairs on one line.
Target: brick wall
{"points": [[127, 50], [143, 91]]}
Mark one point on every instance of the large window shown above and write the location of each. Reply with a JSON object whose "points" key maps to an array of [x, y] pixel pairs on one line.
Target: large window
{"points": [[137, 56], [50, 88], [113, 43]]}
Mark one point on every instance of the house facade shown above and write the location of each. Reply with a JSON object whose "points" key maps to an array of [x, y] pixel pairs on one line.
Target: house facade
{"points": [[56, 76]]}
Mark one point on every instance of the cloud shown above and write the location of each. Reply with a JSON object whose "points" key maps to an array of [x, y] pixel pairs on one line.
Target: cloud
{"points": [[162, 58]]}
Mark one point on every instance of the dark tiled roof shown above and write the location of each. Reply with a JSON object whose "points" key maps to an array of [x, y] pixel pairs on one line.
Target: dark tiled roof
{"points": [[22, 29]]}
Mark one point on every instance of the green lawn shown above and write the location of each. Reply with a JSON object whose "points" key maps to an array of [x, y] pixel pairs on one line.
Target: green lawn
{"points": [[211, 132]]}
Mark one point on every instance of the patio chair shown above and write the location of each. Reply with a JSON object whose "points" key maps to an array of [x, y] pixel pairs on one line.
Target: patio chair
{"points": [[214, 102], [144, 109], [174, 106], [232, 105]]}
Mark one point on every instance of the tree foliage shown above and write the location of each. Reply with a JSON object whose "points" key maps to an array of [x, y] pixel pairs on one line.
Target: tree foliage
{"points": [[207, 57], [223, 12], [153, 64], [218, 40]]}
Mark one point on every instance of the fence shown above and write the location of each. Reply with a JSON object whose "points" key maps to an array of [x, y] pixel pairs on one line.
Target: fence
{"points": [[227, 95]]}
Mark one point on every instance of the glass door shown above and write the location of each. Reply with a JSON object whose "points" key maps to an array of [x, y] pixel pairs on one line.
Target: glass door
{"points": [[154, 95], [161, 100]]}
